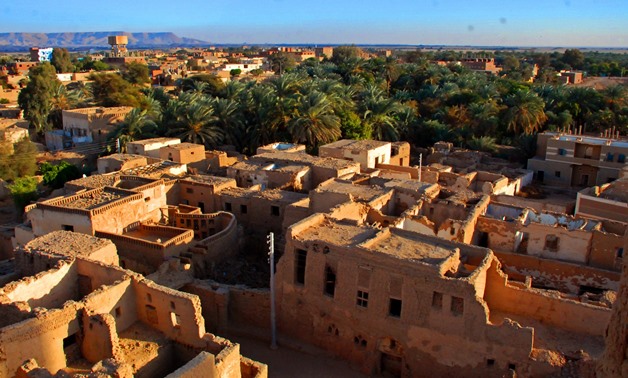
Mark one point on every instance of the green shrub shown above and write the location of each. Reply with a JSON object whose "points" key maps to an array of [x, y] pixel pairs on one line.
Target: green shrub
{"points": [[55, 176], [23, 190]]}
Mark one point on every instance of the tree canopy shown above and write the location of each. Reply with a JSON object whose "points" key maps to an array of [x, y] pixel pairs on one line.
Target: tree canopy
{"points": [[36, 98], [61, 60]]}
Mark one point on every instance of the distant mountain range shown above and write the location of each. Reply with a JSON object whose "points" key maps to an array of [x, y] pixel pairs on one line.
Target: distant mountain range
{"points": [[23, 41]]}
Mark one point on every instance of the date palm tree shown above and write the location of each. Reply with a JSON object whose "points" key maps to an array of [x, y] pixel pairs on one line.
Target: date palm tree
{"points": [[525, 112], [228, 118], [136, 125], [314, 122], [195, 121]]}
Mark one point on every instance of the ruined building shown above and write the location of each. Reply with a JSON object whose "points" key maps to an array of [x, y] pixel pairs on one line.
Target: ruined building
{"points": [[137, 271]]}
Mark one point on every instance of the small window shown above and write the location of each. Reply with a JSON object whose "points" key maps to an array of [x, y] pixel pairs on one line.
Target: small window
{"points": [[67, 227], [562, 152], [490, 362], [457, 306], [175, 319], [621, 158], [243, 209], [149, 297], [300, 261], [363, 298], [619, 253], [118, 312], [437, 300], [274, 210], [394, 308], [172, 306], [227, 206], [330, 281], [189, 190], [512, 367], [551, 243], [557, 173], [609, 157]]}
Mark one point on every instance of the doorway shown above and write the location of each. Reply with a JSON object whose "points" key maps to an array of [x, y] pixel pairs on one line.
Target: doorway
{"points": [[390, 365]]}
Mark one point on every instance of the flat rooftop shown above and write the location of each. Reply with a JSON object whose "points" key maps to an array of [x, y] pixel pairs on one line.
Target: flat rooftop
{"points": [[156, 140], [306, 159], [91, 200], [185, 146], [67, 243], [155, 234], [9, 122], [161, 167], [111, 179], [350, 144], [207, 179], [123, 157], [95, 181], [338, 233], [360, 192], [413, 246], [277, 195], [591, 140], [101, 110], [257, 165], [616, 191], [410, 185]]}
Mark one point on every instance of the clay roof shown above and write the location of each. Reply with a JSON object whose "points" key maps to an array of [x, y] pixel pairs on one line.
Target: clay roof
{"points": [[360, 192], [253, 165], [305, 159], [184, 146], [153, 140], [207, 179], [67, 243], [91, 199], [123, 157], [342, 234], [349, 144], [95, 181], [413, 246]]}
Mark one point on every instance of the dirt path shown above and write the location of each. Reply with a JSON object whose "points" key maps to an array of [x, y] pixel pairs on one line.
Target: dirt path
{"points": [[286, 362]]}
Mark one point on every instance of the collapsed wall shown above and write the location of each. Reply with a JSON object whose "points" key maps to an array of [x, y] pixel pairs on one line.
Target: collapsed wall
{"points": [[614, 361]]}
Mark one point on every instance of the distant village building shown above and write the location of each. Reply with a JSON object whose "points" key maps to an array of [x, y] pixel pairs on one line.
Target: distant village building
{"points": [[486, 65], [570, 77], [86, 125], [13, 130]]}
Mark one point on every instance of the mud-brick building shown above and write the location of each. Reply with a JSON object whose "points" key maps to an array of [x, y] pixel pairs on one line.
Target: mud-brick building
{"points": [[578, 160], [107, 209], [596, 243], [75, 311], [608, 201], [400, 303]]}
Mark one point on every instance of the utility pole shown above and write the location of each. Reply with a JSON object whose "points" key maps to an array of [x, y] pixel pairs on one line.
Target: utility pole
{"points": [[271, 260], [118, 145], [420, 165]]}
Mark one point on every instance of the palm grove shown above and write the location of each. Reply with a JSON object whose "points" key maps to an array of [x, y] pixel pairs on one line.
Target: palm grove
{"points": [[344, 97]]}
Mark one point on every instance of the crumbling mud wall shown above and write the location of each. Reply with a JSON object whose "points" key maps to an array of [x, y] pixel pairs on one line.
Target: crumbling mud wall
{"points": [[547, 307], [614, 361]]}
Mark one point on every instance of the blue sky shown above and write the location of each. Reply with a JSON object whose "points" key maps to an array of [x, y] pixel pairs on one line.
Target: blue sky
{"points": [[462, 22]]}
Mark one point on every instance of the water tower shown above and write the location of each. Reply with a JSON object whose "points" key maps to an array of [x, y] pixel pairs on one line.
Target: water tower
{"points": [[118, 45]]}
